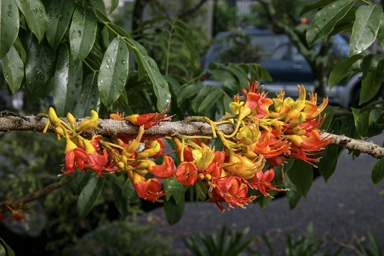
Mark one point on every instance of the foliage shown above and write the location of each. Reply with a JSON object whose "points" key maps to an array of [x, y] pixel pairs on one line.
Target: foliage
{"points": [[121, 239], [303, 246], [227, 244], [364, 23]]}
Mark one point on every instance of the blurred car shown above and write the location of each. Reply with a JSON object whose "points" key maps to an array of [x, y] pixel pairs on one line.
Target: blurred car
{"points": [[283, 61]]}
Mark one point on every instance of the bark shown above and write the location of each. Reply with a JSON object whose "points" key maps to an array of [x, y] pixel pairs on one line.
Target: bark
{"points": [[39, 193], [111, 127]]}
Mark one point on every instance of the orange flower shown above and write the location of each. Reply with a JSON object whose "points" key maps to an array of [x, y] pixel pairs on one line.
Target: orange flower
{"points": [[17, 216], [186, 173], [262, 182], [164, 171], [230, 191], [149, 190]]}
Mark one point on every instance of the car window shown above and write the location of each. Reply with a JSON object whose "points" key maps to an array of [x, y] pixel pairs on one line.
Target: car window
{"points": [[258, 48]]}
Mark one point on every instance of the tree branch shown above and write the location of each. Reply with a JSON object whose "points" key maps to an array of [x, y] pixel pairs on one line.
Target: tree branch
{"points": [[110, 127], [39, 193], [192, 10]]}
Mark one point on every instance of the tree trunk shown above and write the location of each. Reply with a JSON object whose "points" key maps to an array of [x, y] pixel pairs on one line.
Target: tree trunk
{"points": [[137, 15]]}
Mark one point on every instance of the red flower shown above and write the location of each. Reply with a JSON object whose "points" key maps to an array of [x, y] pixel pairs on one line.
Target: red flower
{"points": [[262, 182], [149, 189], [75, 158], [230, 191], [17, 216], [2, 216], [164, 171], [186, 173]]}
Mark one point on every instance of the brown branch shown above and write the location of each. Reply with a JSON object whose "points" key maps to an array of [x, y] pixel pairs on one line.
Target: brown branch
{"points": [[192, 10], [39, 193], [109, 127], [365, 147]]}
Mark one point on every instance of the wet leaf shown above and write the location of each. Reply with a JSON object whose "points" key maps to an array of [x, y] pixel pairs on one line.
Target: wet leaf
{"points": [[365, 29], [113, 71], [59, 15], [13, 68], [35, 15], [82, 33], [9, 25], [147, 65], [89, 97], [38, 69], [67, 82], [325, 19]]}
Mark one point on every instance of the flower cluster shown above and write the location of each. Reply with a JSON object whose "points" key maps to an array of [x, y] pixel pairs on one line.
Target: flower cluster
{"points": [[267, 131]]}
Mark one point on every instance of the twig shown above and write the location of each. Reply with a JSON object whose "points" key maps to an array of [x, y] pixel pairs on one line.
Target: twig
{"points": [[110, 127], [39, 193]]}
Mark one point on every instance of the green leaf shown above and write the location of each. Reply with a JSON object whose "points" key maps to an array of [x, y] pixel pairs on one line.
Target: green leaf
{"points": [[366, 65], [78, 183], [293, 195], [113, 71], [301, 175], [89, 195], [98, 5], [368, 89], [2, 250], [380, 33], [228, 82], [361, 121], [10, 252], [120, 203], [348, 126], [264, 202], [129, 192], [89, 97], [20, 48], [176, 189], [325, 19], [365, 29], [82, 33], [378, 74], [375, 123], [382, 192], [378, 172], [174, 85], [104, 39], [327, 164], [196, 102], [209, 101], [259, 73], [341, 69], [174, 212], [240, 74], [13, 68], [35, 15], [313, 6], [114, 4], [59, 14], [9, 25], [187, 92], [38, 69], [328, 113], [147, 64], [67, 82]]}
